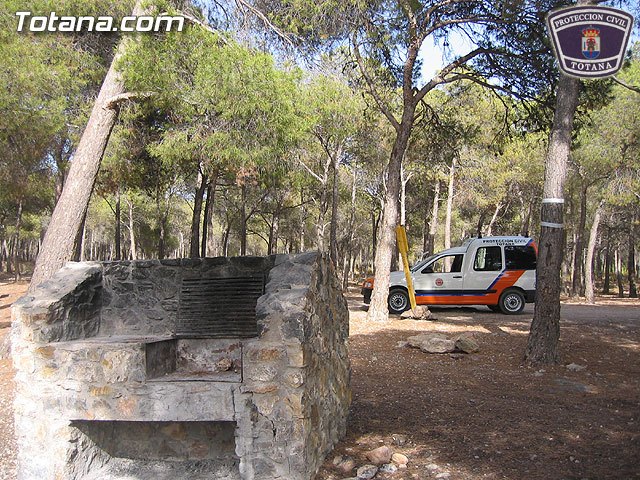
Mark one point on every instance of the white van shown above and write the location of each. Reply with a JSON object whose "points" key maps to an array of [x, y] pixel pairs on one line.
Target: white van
{"points": [[499, 272]]}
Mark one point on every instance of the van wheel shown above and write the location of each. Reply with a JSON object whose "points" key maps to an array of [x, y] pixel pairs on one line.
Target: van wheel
{"points": [[398, 301], [511, 302]]}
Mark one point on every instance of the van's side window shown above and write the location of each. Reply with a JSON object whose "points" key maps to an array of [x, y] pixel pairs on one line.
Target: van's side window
{"points": [[488, 259], [520, 257], [446, 264]]}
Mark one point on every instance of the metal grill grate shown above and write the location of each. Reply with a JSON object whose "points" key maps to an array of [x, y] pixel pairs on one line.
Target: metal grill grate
{"points": [[219, 307]]}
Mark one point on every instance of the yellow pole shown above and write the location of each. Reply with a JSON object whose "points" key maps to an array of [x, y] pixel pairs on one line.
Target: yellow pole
{"points": [[403, 246]]}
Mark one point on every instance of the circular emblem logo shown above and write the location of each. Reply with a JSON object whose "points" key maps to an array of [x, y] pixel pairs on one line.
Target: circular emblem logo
{"points": [[439, 282]]}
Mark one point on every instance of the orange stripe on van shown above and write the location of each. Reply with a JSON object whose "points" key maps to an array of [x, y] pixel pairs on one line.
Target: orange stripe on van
{"points": [[506, 279]]}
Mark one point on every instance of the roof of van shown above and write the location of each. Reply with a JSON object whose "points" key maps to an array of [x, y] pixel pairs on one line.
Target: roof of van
{"points": [[504, 240]]}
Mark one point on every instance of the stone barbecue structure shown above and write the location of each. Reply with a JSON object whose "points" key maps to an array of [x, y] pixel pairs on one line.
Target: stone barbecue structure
{"points": [[217, 368]]}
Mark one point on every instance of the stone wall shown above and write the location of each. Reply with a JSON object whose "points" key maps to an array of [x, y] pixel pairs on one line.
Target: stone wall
{"points": [[142, 297], [96, 356]]}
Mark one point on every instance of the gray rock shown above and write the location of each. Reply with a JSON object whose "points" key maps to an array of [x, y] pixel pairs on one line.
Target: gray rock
{"points": [[438, 345], [466, 344], [388, 468], [417, 340], [574, 367], [367, 472]]}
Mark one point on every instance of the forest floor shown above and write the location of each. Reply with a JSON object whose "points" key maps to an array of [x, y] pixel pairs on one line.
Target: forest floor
{"points": [[482, 415]]}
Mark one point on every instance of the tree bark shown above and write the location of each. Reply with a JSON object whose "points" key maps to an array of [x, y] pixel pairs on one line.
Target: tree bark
{"points": [[588, 273], [194, 247], [492, 222], [447, 221], [16, 259], [607, 265], [618, 262], [350, 231], [333, 229], [433, 224], [322, 212], [578, 253], [542, 345], [243, 218], [118, 233], [631, 260], [378, 308], [207, 228], [62, 235], [132, 236]]}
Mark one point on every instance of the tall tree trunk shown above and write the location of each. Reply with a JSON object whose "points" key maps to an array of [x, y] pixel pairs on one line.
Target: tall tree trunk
{"points": [[447, 221], [243, 218], [62, 235], [378, 308], [631, 260], [578, 253], [593, 236], [132, 235], [350, 231], [16, 258], [6, 255], [333, 230], [303, 219], [194, 246], [499, 206], [83, 256], [433, 223], [207, 228], [607, 265], [324, 206], [118, 222], [618, 262], [542, 345], [526, 221]]}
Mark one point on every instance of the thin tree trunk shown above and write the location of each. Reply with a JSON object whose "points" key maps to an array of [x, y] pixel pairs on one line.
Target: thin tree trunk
{"points": [[631, 260], [499, 206], [83, 256], [542, 345], [207, 228], [578, 253], [194, 246], [618, 262], [5, 253], [333, 230], [433, 223], [350, 232], [447, 221], [593, 235], [118, 221], [607, 265], [378, 308], [63, 233], [16, 259], [322, 213], [132, 236], [243, 218]]}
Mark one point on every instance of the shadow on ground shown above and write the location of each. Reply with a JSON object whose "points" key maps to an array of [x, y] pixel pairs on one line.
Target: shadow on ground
{"points": [[486, 415]]}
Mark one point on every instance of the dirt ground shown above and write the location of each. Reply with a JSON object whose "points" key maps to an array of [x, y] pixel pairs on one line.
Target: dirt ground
{"points": [[481, 416]]}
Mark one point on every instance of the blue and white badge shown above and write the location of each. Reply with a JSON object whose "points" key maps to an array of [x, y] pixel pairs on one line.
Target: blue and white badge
{"points": [[590, 41]]}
